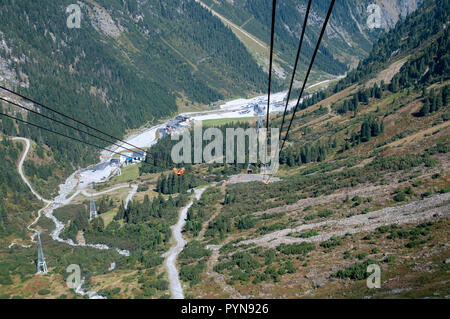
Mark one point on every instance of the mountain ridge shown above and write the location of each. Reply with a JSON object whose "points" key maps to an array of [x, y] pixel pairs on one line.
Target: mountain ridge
{"points": [[345, 38]]}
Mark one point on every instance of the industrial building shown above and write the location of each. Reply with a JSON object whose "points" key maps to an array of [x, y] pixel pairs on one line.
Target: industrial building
{"points": [[174, 125]]}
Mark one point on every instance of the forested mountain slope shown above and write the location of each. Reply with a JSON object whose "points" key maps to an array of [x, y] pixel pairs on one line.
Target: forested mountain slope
{"points": [[423, 33], [134, 61], [16, 201], [129, 63], [126, 65], [348, 38]]}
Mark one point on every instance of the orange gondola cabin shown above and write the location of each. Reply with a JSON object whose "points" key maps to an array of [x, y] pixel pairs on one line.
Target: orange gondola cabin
{"points": [[178, 172]]}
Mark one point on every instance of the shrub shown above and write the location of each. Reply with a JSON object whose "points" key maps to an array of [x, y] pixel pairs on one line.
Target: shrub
{"points": [[5, 279], [148, 292], [325, 213], [194, 250], [361, 256], [389, 259], [142, 188], [427, 194], [245, 261], [272, 272], [109, 293], [417, 183], [310, 233], [398, 234], [444, 189], [150, 261], [414, 243], [290, 268], [383, 229], [296, 249], [311, 217], [400, 197], [159, 284], [237, 274], [192, 272], [358, 271], [44, 292], [226, 265], [332, 242], [260, 277]]}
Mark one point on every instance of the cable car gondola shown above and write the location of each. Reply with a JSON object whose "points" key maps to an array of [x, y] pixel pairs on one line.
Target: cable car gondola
{"points": [[178, 172]]}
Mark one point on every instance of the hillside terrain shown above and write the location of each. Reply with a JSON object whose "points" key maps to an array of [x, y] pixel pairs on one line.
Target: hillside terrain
{"points": [[348, 39], [129, 64], [168, 55], [364, 179]]}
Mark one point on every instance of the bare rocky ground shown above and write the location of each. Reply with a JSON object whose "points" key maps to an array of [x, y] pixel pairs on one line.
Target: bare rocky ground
{"points": [[247, 178], [437, 206], [433, 208], [429, 209], [375, 191], [303, 203], [218, 278]]}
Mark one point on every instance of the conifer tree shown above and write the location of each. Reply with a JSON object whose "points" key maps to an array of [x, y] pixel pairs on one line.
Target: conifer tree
{"points": [[426, 108]]}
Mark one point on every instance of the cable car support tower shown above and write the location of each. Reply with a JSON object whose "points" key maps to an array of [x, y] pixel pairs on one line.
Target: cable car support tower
{"points": [[41, 264]]}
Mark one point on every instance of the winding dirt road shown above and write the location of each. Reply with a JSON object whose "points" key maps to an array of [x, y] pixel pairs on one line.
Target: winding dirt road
{"points": [[20, 168], [59, 201], [174, 280], [38, 196]]}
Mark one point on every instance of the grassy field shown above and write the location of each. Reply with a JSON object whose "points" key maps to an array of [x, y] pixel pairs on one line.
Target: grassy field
{"points": [[129, 173], [220, 122], [109, 216]]}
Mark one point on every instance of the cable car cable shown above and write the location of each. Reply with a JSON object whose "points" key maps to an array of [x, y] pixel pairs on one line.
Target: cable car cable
{"points": [[309, 70], [58, 133], [296, 64], [60, 122], [69, 117]]}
